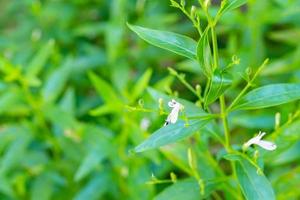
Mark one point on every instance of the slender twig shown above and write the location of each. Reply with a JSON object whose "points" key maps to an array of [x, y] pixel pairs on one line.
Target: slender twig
{"points": [[249, 84]]}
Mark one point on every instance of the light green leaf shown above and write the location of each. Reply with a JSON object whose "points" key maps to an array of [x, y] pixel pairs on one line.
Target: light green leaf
{"points": [[174, 42], [94, 189], [6, 187], [88, 164], [141, 84], [171, 133], [104, 89], [42, 188], [220, 82], [204, 54], [104, 109], [185, 189], [228, 5], [16, 150], [56, 82], [40, 59], [68, 103], [270, 95]]}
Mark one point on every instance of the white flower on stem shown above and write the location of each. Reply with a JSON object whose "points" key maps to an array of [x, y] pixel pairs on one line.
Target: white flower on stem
{"points": [[270, 146], [173, 116]]}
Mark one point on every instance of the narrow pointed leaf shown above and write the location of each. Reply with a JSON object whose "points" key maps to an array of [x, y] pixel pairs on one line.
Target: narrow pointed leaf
{"points": [[170, 134], [40, 59], [104, 89], [270, 95], [56, 82], [254, 186], [170, 41], [88, 164], [204, 54], [141, 84], [230, 5], [220, 82]]}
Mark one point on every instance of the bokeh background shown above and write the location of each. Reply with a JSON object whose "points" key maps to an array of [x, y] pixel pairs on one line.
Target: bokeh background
{"points": [[69, 69]]}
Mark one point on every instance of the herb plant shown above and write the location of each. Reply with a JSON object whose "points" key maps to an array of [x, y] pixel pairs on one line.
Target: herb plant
{"points": [[243, 173], [210, 110]]}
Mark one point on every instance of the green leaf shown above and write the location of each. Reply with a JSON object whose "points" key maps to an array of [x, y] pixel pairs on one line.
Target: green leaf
{"points": [[42, 187], [6, 187], [104, 109], [185, 189], [174, 42], [220, 82], [287, 156], [88, 164], [40, 59], [230, 5], [104, 89], [16, 150], [56, 82], [141, 84], [68, 101], [253, 185], [204, 54], [95, 188], [270, 95], [171, 133]]}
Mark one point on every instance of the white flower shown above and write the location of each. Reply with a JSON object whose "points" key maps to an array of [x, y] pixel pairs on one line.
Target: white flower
{"points": [[262, 143], [145, 123], [173, 116]]}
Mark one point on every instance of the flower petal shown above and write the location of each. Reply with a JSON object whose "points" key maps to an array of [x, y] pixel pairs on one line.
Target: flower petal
{"points": [[266, 145]]}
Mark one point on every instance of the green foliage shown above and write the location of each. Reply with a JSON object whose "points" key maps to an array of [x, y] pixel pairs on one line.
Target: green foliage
{"points": [[204, 54], [170, 134], [176, 43], [83, 99], [269, 95]]}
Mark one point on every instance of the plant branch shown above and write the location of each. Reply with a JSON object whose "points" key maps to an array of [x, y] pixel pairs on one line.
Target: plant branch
{"points": [[249, 84]]}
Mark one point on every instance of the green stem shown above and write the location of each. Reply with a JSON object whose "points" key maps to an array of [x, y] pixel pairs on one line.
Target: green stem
{"points": [[225, 122], [239, 96], [215, 47], [196, 23], [249, 84], [222, 99]]}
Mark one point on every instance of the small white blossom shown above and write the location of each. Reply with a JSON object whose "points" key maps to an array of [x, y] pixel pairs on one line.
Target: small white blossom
{"points": [[262, 143], [173, 116], [145, 123]]}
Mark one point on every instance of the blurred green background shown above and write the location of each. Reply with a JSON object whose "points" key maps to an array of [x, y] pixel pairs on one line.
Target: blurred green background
{"points": [[69, 69]]}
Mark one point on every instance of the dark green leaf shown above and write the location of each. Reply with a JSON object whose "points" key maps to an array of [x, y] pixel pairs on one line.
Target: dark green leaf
{"points": [[220, 82], [254, 185], [174, 42], [204, 54], [170, 134], [270, 95]]}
